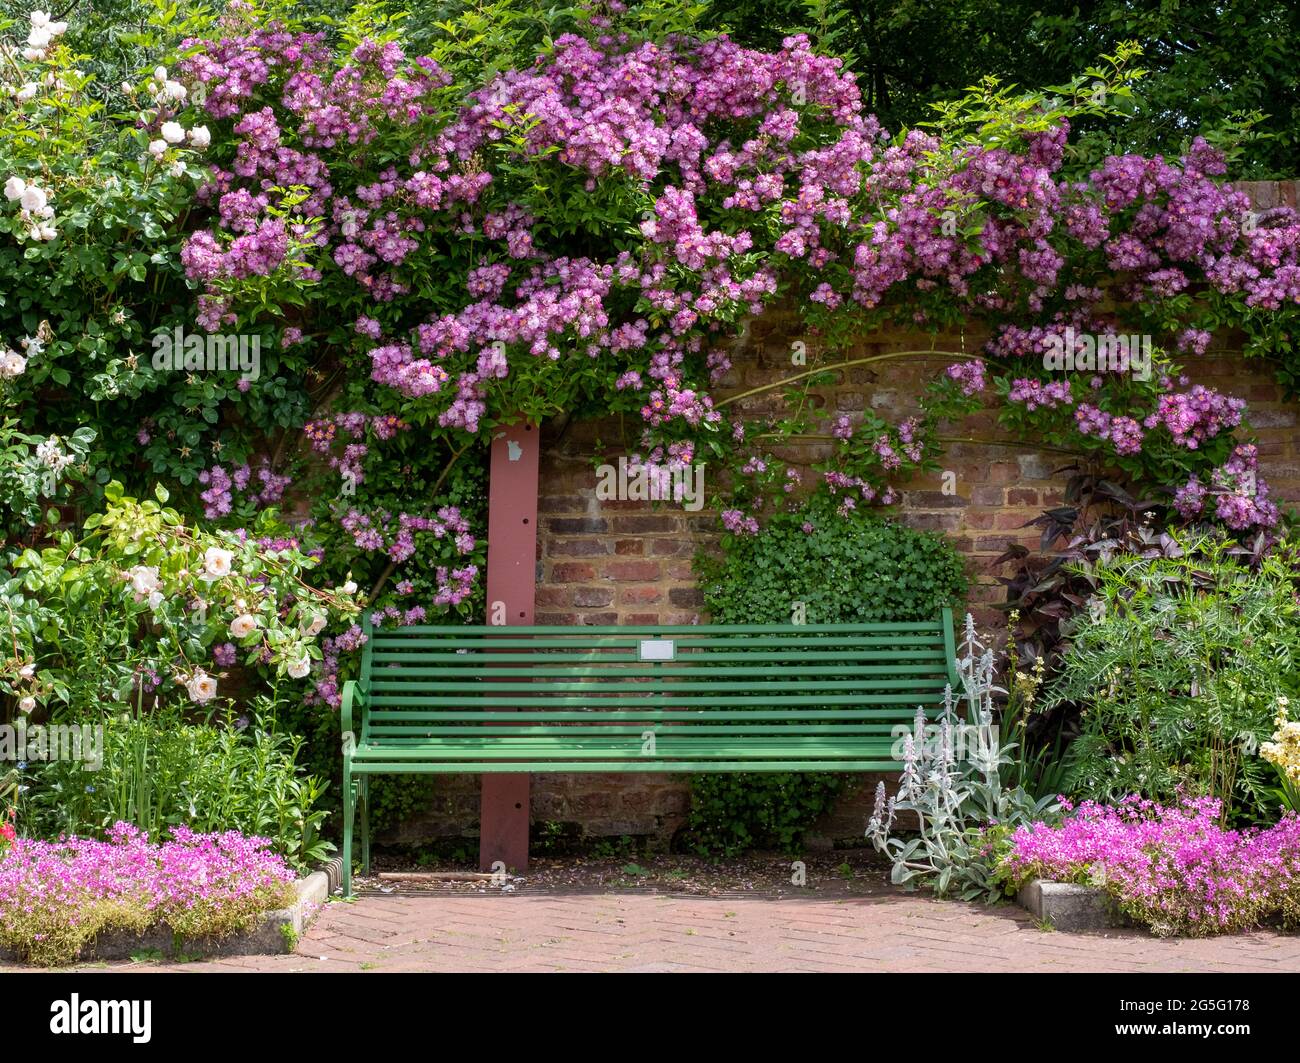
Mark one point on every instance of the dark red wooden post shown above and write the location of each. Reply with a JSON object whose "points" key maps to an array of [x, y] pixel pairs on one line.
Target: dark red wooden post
{"points": [[511, 587]]}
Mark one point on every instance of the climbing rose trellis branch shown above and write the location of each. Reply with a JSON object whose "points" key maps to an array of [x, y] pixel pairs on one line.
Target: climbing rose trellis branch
{"points": [[592, 230]]}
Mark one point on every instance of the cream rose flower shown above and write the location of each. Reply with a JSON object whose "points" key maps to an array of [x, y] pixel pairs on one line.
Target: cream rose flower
{"points": [[201, 686], [143, 579], [12, 364], [216, 563], [243, 626]]}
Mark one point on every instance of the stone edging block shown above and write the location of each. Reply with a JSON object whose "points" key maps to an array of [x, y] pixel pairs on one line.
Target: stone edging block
{"points": [[1070, 907]]}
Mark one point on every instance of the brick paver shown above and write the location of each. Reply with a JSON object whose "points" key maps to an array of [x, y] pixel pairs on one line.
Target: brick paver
{"points": [[830, 930]]}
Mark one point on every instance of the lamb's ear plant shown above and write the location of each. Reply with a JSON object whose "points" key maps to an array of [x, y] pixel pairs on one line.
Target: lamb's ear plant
{"points": [[952, 791]]}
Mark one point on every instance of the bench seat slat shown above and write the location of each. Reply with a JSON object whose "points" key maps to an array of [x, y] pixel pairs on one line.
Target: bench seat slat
{"points": [[541, 701], [597, 688], [739, 751], [669, 669], [538, 646], [383, 733], [794, 716], [694, 657], [626, 630], [882, 762]]}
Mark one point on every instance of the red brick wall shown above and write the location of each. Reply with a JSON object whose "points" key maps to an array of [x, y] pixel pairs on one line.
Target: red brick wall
{"points": [[630, 562]]}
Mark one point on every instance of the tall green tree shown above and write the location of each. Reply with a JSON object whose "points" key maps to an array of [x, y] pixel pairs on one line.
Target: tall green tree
{"points": [[1220, 67]]}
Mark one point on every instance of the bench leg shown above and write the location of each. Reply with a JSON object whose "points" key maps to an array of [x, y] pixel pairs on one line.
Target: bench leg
{"points": [[349, 807], [365, 824]]}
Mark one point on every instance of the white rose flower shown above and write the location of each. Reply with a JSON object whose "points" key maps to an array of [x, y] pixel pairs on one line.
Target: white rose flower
{"points": [[160, 74], [201, 687], [349, 588], [174, 90], [299, 668], [144, 580], [27, 704], [33, 55], [48, 453], [173, 132], [314, 627], [45, 232], [14, 189], [40, 20], [12, 364], [27, 671], [200, 137], [216, 562], [28, 91], [39, 38], [33, 199], [155, 600], [242, 626], [157, 148]]}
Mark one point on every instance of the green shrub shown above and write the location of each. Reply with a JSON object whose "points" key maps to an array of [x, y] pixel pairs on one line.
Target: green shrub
{"points": [[854, 569], [844, 570], [1177, 665]]}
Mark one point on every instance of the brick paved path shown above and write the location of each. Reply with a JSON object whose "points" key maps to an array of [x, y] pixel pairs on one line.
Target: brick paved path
{"points": [[834, 929]]}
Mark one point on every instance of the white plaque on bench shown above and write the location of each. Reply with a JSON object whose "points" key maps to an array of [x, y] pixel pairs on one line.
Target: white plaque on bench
{"points": [[657, 650]]}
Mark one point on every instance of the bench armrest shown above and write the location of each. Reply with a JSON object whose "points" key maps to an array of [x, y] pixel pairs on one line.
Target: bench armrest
{"points": [[351, 696]]}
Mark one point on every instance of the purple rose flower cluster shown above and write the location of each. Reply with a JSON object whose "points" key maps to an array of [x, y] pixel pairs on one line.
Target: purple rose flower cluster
{"points": [[708, 134], [262, 486], [395, 536]]}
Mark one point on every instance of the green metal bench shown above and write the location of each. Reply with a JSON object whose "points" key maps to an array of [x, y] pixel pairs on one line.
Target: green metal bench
{"points": [[706, 698]]}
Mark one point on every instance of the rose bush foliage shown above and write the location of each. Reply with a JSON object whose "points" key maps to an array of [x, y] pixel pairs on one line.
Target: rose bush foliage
{"points": [[591, 230]]}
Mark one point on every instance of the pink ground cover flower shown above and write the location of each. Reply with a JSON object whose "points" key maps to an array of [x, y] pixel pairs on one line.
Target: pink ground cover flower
{"points": [[55, 897], [1172, 868]]}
